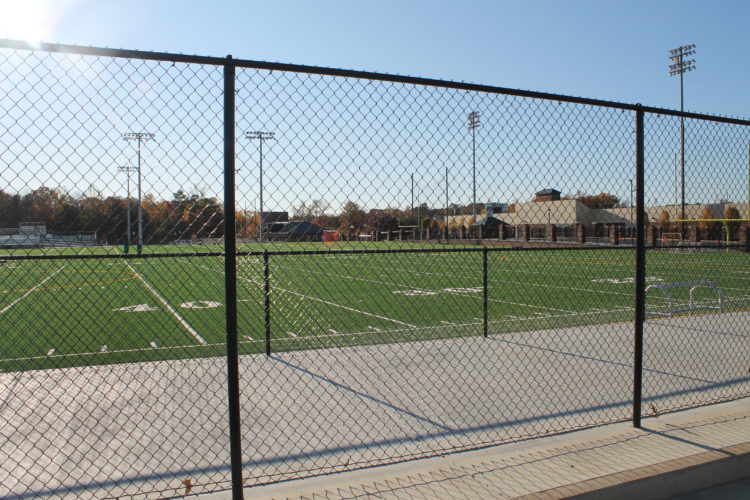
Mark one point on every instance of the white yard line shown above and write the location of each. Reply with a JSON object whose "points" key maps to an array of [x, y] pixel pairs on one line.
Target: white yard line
{"points": [[524, 284], [323, 301], [19, 299], [460, 294], [345, 307], [169, 308]]}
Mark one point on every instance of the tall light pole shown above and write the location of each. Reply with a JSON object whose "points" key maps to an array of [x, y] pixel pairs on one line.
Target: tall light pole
{"points": [[473, 124], [140, 138], [261, 137], [681, 66], [127, 170]]}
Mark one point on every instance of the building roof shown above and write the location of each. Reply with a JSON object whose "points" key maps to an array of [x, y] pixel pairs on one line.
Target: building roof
{"points": [[295, 227], [489, 222], [271, 217], [545, 192]]}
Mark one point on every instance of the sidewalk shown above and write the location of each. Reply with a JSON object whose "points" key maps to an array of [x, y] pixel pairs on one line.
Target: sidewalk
{"points": [[671, 455]]}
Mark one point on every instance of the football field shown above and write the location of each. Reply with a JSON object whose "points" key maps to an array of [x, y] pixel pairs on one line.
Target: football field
{"points": [[89, 311]]}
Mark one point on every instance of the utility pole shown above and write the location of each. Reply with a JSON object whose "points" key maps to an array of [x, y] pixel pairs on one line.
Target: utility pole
{"points": [[127, 170], [681, 66], [261, 137], [139, 138], [473, 125]]}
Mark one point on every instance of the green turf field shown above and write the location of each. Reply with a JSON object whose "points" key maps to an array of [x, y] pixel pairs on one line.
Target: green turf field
{"points": [[77, 312]]}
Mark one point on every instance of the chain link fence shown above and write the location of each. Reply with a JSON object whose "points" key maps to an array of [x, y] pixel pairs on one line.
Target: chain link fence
{"points": [[218, 273]]}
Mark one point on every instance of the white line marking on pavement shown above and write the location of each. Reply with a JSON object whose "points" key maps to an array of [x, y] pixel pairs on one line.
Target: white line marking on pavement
{"points": [[19, 299], [169, 308]]}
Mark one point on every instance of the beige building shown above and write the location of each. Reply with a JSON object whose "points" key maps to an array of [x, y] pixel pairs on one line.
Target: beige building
{"points": [[567, 212]]}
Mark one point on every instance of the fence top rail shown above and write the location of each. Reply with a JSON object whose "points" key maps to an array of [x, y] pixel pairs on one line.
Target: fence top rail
{"points": [[259, 253], [365, 75]]}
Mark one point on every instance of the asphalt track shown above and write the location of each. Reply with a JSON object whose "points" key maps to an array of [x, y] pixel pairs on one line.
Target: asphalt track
{"points": [[147, 428]]}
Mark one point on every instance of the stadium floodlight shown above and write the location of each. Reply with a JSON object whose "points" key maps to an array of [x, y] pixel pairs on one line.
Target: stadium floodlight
{"points": [[140, 138], [473, 124], [681, 66], [261, 137], [127, 170]]}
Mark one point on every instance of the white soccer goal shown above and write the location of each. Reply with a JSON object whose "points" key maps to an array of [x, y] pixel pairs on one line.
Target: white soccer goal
{"points": [[675, 306]]}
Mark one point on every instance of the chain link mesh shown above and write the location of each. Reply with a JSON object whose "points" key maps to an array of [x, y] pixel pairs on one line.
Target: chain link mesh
{"points": [[420, 270]]}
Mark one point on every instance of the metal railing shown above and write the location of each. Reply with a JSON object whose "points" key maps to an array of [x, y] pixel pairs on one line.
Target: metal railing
{"points": [[212, 339]]}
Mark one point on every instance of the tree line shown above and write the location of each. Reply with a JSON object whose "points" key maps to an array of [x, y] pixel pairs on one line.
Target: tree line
{"points": [[185, 216], [189, 216]]}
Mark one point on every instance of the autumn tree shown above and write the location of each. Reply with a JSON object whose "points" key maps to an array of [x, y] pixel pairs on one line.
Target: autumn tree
{"points": [[731, 212], [310, 211], [381, 220], [708, 228], [352, 219], [246, 224], [664, 220], [599, 201], [326, 221], [428, 222]]}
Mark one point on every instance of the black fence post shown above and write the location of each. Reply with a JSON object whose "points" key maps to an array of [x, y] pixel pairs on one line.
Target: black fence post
{"points": [[640, 269], [267, 301], [230, 283], [486, 289]]}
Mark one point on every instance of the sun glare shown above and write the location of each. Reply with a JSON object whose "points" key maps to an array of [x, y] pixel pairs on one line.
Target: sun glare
{"points": [[25, 19]]}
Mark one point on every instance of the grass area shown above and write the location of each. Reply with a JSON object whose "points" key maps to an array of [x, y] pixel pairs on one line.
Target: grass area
{"points": [[189, 249], [64, 312]]}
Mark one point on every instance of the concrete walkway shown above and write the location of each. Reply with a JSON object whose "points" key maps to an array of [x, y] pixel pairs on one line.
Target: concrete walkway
{"points": [[147, 429], [674, 454]]}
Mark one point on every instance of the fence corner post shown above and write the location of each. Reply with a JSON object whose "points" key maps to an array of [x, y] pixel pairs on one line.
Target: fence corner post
{"points": [[230, 283], [640, 270]]}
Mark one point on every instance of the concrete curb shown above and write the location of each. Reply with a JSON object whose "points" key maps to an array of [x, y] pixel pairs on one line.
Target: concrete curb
{"points": [[663, 480]]}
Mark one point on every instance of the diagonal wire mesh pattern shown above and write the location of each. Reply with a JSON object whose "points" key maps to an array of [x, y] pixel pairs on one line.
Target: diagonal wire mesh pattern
{"points": [[408, 268], [105, 163], [698, 199]]}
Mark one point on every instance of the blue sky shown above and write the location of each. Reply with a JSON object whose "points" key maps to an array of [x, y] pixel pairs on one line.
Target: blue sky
{"points": [[593, 48], [600, 49]]}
